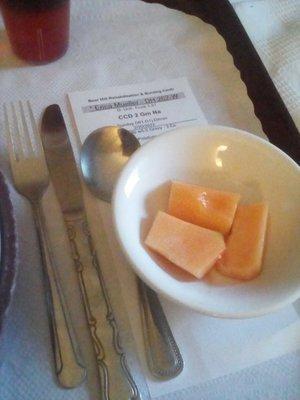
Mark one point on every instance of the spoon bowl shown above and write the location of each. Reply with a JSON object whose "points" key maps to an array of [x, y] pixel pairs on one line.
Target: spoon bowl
{"points": [[104, 153]]}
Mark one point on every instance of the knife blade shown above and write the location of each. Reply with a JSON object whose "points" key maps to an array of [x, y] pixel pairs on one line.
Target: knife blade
{"points": [[117, 382]]}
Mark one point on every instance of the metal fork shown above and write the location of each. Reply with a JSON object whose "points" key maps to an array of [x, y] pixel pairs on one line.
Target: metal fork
{"points": [[31, 179]]}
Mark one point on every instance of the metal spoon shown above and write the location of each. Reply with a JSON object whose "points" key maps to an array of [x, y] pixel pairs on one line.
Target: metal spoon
{"points": [[103, 155]]}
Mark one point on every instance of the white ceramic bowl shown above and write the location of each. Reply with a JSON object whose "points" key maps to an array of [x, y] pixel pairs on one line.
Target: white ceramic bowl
{"points": [[221, 158]]}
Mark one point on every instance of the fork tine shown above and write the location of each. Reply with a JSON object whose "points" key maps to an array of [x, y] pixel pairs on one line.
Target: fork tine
{"points": [[16, 137], [9, 142], [36, 135], [27, 138]]}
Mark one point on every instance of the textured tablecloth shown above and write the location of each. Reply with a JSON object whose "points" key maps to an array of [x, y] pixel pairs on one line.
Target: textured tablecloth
{"points": [[110, 60]]}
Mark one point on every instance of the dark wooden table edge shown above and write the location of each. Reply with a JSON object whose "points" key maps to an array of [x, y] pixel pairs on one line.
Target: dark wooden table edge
{"points": [[269, 107]]}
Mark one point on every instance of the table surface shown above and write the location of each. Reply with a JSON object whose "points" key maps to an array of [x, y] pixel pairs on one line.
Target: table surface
{"points": [[277, 379]]}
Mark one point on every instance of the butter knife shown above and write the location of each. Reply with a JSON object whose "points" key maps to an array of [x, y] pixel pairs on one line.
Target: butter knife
{"points": [[117, 382]]}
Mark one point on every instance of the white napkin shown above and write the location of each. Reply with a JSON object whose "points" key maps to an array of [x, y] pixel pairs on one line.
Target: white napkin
{"points": [[114, 43]]}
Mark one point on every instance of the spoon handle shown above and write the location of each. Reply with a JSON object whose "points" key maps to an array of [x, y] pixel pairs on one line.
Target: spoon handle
{"points": [[163, 355]]}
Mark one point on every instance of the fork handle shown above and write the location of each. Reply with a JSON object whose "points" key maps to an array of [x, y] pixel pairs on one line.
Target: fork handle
{"points": [[68, 365]]}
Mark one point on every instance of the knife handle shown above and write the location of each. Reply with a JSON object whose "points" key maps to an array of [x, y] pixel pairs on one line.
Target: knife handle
{"points": [[68, 364], [116, 381]]}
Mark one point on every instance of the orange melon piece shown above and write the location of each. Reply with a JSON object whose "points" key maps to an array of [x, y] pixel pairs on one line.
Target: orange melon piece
{"points": [[242, 258], [209, 208], [188, 246]]}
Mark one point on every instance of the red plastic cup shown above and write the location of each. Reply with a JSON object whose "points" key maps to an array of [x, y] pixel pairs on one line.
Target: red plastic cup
{"points": [[38, 30]]}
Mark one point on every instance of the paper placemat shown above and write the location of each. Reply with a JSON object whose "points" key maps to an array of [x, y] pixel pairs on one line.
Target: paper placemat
{"points": [[210, 347], [219, 346]]}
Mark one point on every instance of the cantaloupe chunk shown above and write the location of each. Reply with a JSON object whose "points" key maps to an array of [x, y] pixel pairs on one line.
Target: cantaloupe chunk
{"points": [[242, 258], [188, 246], [209, 208]]}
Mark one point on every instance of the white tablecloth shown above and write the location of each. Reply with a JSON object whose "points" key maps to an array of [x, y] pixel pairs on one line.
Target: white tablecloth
{"points": [[98, 57]]}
